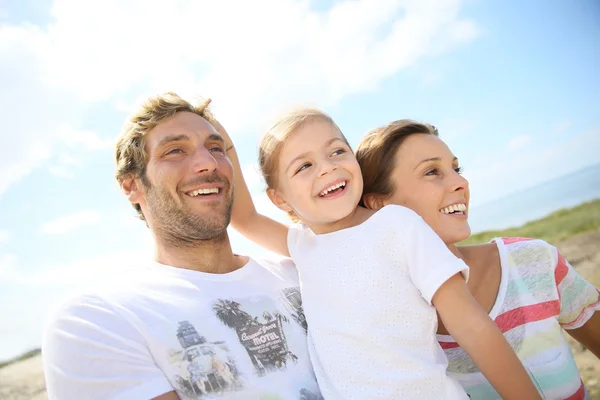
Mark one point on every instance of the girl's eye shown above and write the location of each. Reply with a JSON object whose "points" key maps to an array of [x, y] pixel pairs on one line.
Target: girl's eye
{"points": [[303, 167], [338, 152]]}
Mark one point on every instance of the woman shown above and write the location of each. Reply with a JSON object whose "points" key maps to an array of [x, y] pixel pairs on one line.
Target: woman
{"points": [[529, 289]]}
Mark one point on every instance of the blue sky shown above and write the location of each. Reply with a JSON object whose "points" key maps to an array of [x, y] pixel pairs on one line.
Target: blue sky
{"points": [[512, 86]]}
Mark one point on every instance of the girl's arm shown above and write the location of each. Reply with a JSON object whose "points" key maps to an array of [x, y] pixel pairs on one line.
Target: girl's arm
{"points": [[481, 339], [261, 229]]}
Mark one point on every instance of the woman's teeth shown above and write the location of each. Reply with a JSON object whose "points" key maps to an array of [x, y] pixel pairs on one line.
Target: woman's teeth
{"points": [[454, 209]]}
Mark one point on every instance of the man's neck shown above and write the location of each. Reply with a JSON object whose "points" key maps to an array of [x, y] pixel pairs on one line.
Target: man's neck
{"points": [[210, 256]]}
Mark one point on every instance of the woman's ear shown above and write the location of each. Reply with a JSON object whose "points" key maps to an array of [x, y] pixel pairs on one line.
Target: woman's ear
{"points": [[277, 199], [373, 201]]}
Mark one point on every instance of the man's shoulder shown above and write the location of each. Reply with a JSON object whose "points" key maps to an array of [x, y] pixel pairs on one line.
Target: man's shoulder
{"points": [[283, 268]]}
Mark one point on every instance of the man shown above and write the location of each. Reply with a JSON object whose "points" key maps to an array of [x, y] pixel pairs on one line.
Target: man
{"points": [[197, 320]]}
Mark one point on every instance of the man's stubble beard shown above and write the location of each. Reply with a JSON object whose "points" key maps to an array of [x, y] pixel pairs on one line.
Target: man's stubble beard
{"points": [[177, 225]]}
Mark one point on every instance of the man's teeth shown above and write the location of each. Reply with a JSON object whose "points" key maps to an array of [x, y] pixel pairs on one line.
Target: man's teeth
{"points": [[331, 188], [204, 191], [454, 209]]}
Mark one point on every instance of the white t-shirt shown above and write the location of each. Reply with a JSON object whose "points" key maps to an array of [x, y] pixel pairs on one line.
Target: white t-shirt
{"points": [[367, 293], [240, 335]]}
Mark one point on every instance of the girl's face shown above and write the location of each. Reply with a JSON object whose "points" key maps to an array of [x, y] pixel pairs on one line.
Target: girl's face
{"points": [[427, 179], [318, 176]]}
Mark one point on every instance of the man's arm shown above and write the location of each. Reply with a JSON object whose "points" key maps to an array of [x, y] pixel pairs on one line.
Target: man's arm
{"points": [[259, 228], [481, 339], [91, 352]]}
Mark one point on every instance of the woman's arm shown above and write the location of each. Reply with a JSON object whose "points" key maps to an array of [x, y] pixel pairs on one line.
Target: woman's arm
{"points": [[261, 229], [481, 339], [589, 334]]}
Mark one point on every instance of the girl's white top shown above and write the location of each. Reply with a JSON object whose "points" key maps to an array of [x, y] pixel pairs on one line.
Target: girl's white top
{"points": [[367, 294]]}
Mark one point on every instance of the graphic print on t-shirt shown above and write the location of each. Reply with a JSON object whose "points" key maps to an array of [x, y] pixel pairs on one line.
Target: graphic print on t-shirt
{"points": [[254, 342], [209, 366]]}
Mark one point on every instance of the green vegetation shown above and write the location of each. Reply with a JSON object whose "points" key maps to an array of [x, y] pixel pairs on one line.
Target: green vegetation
{"points": [[22, 357], [553, 228]]}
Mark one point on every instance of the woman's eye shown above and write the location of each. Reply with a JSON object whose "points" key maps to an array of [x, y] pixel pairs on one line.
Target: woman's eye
{"points": [[175, 151], [433, 171], [459, 170]]}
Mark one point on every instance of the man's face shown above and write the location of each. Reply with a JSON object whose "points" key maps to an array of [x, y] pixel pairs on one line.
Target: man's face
{"points": [[186, 191]]}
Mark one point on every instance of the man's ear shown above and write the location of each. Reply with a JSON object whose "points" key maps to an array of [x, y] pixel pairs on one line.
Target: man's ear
{"points": [[277, 199], [373, 201], [131, 187]]}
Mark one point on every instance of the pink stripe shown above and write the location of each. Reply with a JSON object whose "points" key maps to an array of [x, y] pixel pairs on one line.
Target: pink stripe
{"points": [[448, 345], [515, 240], [519, 316], [522, 315], [561, 269], [578, 395]]}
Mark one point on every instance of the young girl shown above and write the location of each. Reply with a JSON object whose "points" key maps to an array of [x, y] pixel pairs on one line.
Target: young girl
{"points": [[370, 280]]}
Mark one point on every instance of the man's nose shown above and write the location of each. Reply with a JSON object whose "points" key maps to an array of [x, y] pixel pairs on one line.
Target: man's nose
{"points": [[204, 161]]}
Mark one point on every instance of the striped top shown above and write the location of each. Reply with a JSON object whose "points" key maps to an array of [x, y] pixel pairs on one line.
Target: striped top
{"points": [[539, 294]]}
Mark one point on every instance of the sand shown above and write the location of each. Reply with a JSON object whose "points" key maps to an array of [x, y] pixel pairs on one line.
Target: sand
{"points": [[24, 380]]}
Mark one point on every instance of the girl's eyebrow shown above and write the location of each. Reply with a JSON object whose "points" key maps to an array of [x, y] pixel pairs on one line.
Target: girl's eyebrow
{"points": [[433, 159], [303, 155]]}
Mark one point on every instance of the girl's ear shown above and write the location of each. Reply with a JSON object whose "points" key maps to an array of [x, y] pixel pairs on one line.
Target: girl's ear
{"points": [[277, 199], [373, 201]]}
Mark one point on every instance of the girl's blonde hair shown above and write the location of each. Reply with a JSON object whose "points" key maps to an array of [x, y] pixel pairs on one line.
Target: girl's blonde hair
{"points": [[273, 140]]}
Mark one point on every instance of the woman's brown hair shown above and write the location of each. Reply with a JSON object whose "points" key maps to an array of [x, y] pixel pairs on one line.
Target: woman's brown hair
{"points": [[377, 151]]}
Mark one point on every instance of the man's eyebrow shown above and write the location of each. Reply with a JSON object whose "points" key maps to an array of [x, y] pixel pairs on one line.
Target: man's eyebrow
{"points": [[216, 137], [433, 159], [327, 143], [172, 138]]}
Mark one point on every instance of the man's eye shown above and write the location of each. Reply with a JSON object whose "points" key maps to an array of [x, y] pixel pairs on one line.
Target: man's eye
{"points": [[175, 151], [217, 149]]}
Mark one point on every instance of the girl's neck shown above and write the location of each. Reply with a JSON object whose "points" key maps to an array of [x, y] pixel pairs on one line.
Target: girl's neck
{"points": [[355, 218]]}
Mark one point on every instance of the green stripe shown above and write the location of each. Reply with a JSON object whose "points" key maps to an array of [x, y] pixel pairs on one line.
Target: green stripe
{"points": [[530, 284]]}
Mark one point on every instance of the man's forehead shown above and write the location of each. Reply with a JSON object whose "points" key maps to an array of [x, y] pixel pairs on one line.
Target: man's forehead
{"points": [[183, 124]]}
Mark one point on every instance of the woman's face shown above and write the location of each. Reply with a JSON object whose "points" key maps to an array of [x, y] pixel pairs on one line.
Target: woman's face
{"points": [[427, 179]]}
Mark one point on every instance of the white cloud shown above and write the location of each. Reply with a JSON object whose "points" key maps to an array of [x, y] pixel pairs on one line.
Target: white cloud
{"points": [[71, 222], [265, 54], [518, 142], [4, 237], [60, 171]]}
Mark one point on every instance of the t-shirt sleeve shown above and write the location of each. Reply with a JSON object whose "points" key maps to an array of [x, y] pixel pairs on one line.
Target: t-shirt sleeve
{"points": [[295, 234], [91, 352], [430, 262], [579, 299]]}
